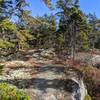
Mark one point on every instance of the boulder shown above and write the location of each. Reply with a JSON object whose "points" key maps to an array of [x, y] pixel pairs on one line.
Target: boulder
{"points": [[95, 61], [74, 83]]}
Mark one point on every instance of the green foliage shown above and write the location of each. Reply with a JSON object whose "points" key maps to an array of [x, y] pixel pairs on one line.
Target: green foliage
{"points": [[48, 3], [23, 36], [84, 41], [8, 25], [87, 97], [43, 30], [10, 92], [73, 26], [11, 7], [6, 44], [94, 36], [7, 29], [61, 39]]}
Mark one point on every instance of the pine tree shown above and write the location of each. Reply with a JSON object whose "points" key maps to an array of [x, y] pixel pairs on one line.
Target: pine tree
{"points": [[95, 33], [74, 25]]}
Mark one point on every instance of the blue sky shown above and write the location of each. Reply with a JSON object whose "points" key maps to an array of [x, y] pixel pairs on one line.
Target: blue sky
{"points": [[88, 6]]}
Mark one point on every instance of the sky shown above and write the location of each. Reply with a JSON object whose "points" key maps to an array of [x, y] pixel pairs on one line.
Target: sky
{"points": [[38, 8]]}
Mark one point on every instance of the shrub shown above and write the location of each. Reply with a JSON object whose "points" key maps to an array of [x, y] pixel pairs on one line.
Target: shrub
{"points": [[91, 78], [10, 92]]}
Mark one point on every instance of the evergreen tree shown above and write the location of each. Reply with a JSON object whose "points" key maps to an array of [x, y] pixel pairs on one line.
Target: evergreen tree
{"points": [[73, 25], [43, 30], [95, 33], [9, 30]]}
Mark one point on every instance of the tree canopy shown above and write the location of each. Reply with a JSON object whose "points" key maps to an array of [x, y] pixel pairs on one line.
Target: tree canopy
{"points": [[69, 29]]}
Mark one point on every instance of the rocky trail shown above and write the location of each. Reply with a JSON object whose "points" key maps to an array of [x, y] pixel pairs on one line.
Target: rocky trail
{"points": [[47, 81], [45, 84]]}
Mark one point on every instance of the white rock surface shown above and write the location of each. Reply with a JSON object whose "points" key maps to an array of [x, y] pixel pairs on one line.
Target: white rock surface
{"points": [[95, 60]]}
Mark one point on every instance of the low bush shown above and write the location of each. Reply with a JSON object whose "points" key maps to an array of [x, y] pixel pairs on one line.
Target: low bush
{"points": [[10, 92], [91, 78]]}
